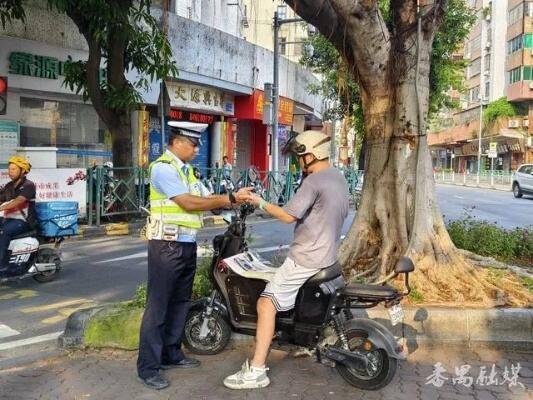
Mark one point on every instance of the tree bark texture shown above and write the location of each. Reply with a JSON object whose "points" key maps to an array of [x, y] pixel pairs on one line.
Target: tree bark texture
{"points": [[398, 214]]}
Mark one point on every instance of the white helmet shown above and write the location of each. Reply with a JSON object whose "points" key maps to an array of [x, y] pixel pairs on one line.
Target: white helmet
{"points": [[108, 164], [309, 142]]}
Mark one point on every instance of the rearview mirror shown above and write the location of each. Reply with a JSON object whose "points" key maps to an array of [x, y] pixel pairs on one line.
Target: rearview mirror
{"points": [[404, 265]]}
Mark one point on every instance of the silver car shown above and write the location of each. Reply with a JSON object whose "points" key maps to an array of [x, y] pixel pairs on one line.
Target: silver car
{"points": [[523, 180]]}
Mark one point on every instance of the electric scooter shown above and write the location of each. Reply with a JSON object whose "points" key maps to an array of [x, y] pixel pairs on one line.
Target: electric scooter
{"points": [[364, 352], [31, 255]]}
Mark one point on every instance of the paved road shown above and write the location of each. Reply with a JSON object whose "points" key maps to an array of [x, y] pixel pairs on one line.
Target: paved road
{"points": [[109, 269], [490, 205], [111, 375]]}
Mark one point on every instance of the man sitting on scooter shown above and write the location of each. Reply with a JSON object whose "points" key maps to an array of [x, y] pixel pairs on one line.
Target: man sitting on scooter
{"points": [[17, 199], [319, 209]]}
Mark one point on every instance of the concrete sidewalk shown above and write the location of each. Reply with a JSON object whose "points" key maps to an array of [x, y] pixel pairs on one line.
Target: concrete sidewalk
{"points": [[111, 375], [482, 185]]}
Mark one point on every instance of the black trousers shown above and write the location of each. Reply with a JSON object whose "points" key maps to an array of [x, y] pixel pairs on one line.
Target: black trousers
{"points": [[171, 269]]}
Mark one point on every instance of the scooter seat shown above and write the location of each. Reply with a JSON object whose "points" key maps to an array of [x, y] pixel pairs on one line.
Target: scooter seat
{"points": [[326, 274], [369, 291], [25, 234]]}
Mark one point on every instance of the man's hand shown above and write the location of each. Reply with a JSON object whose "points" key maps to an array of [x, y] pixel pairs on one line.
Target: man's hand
{"points": [[243, 195], [254, 199]]}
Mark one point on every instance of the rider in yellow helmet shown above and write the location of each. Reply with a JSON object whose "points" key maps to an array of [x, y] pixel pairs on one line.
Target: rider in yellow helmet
{"points": [[17, 199]]}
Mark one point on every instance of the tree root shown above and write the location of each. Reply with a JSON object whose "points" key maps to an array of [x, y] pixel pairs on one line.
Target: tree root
{"points": [[482, 261]]}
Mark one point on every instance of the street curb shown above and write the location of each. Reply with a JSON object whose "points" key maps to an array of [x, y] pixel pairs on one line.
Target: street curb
{"points": [[475, 186], [502, 327], [134, 227]]}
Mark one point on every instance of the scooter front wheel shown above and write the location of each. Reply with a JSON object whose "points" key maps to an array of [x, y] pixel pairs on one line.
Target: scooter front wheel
{"points": [[381, 367], [216, 339]]}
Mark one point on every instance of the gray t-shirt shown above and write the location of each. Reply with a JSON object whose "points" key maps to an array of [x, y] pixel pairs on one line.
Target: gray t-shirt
{"points": [[320, 207]]}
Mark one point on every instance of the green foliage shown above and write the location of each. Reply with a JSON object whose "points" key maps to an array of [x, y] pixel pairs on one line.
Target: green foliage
{"points": [[488, 239], [201, 287], [446, 72], [415, 296], [117, 327], [528, 283], [499, 108]]}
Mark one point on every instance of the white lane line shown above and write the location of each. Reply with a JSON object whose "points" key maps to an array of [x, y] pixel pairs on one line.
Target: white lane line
{"points": [[32, 340], [202, 252], [6, 331]]}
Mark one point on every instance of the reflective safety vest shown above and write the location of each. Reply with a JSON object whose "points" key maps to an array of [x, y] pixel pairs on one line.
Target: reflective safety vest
{"points": [[166, 217]]}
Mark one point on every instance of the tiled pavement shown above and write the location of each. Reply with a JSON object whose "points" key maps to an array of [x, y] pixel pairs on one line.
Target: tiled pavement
{"points": [[111, 375]]}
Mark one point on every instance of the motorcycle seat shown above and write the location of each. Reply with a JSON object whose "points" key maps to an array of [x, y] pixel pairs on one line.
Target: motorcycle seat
{"points": [[33, 232], [326, 274], [369, 291]]}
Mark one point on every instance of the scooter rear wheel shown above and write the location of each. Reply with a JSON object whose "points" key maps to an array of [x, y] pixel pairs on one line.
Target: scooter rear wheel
{"points": [[381, 368], [48, 256], [217, 338]]}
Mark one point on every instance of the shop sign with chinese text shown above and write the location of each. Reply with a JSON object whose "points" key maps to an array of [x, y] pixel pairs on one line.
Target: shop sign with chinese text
{"points": [[62, 184], [199, 98]]}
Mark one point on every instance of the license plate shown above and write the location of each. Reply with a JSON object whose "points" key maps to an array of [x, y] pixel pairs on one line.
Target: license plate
{"points": [[396, 314]]}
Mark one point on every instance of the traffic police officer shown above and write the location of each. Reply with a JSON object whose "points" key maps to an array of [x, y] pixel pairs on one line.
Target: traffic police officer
{"points": [[176, 208]]}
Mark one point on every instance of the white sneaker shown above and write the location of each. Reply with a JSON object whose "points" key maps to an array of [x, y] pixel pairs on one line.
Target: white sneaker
{"points": [[248, 378]]}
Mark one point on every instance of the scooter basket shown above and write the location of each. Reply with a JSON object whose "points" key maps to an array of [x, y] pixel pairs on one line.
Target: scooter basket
{"points": [[57, 218]]}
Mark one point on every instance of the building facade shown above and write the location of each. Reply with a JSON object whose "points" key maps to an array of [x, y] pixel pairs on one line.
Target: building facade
{"points": [[496, 49], [217, 70]]}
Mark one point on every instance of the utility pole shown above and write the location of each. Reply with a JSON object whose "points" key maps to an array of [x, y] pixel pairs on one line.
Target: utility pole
{"points": [[275, 87]]}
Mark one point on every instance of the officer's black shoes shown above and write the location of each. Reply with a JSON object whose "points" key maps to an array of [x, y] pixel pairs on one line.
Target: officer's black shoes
{"points": [[156, 382], [185, 363]]}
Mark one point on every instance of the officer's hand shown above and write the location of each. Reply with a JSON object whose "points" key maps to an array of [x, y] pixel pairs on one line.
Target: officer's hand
{"points": [[243, 195]]}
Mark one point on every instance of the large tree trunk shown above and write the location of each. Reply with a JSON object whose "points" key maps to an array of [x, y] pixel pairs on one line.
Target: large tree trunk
{"points": [[399, 214]]}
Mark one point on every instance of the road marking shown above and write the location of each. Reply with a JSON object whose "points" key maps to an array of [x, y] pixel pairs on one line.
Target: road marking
{"points": [[48, 307], [32, 340], [19, 294], [6, 331], [64, 313], [459, 197]]}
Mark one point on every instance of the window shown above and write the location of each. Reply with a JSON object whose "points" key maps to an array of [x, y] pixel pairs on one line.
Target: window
{"points": [[66, 125], [474, 68], [473, 95], [528, 9], [515, 15], [514, 75], [528, 41], [487, 62], [526, 169], [487, 90], [514, 44], [528, 73], [475, 44], [283, 46]]}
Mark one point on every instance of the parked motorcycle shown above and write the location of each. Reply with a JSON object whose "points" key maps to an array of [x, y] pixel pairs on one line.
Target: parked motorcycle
{"points": [[31, 255], [364, 352]]}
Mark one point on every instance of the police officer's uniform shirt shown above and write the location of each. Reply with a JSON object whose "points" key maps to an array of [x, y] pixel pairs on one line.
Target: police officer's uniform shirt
{"points": [[167, 181]]}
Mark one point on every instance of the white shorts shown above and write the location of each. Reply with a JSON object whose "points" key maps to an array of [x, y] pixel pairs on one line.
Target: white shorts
{"points": [[284, 285]]}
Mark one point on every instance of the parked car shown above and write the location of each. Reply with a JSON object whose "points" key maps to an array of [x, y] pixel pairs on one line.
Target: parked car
{"points": [[523, 180]]}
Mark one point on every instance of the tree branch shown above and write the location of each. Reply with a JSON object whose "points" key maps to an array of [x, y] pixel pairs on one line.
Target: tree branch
{"points": [[357, 30]]}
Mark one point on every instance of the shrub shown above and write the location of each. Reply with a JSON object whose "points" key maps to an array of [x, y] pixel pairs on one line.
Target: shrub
{"points": [[201, 286], [488, 239]]}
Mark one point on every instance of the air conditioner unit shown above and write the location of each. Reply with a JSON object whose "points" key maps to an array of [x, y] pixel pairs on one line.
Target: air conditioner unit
{"points": [[467, 56], [486, 73], [513, 123], [530, 142], [464, 105], [525, 122], [487, 17], [531, 85], [487, 45]]}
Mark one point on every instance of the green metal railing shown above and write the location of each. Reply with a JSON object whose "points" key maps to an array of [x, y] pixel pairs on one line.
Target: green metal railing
{"points": [[118, 193]]}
